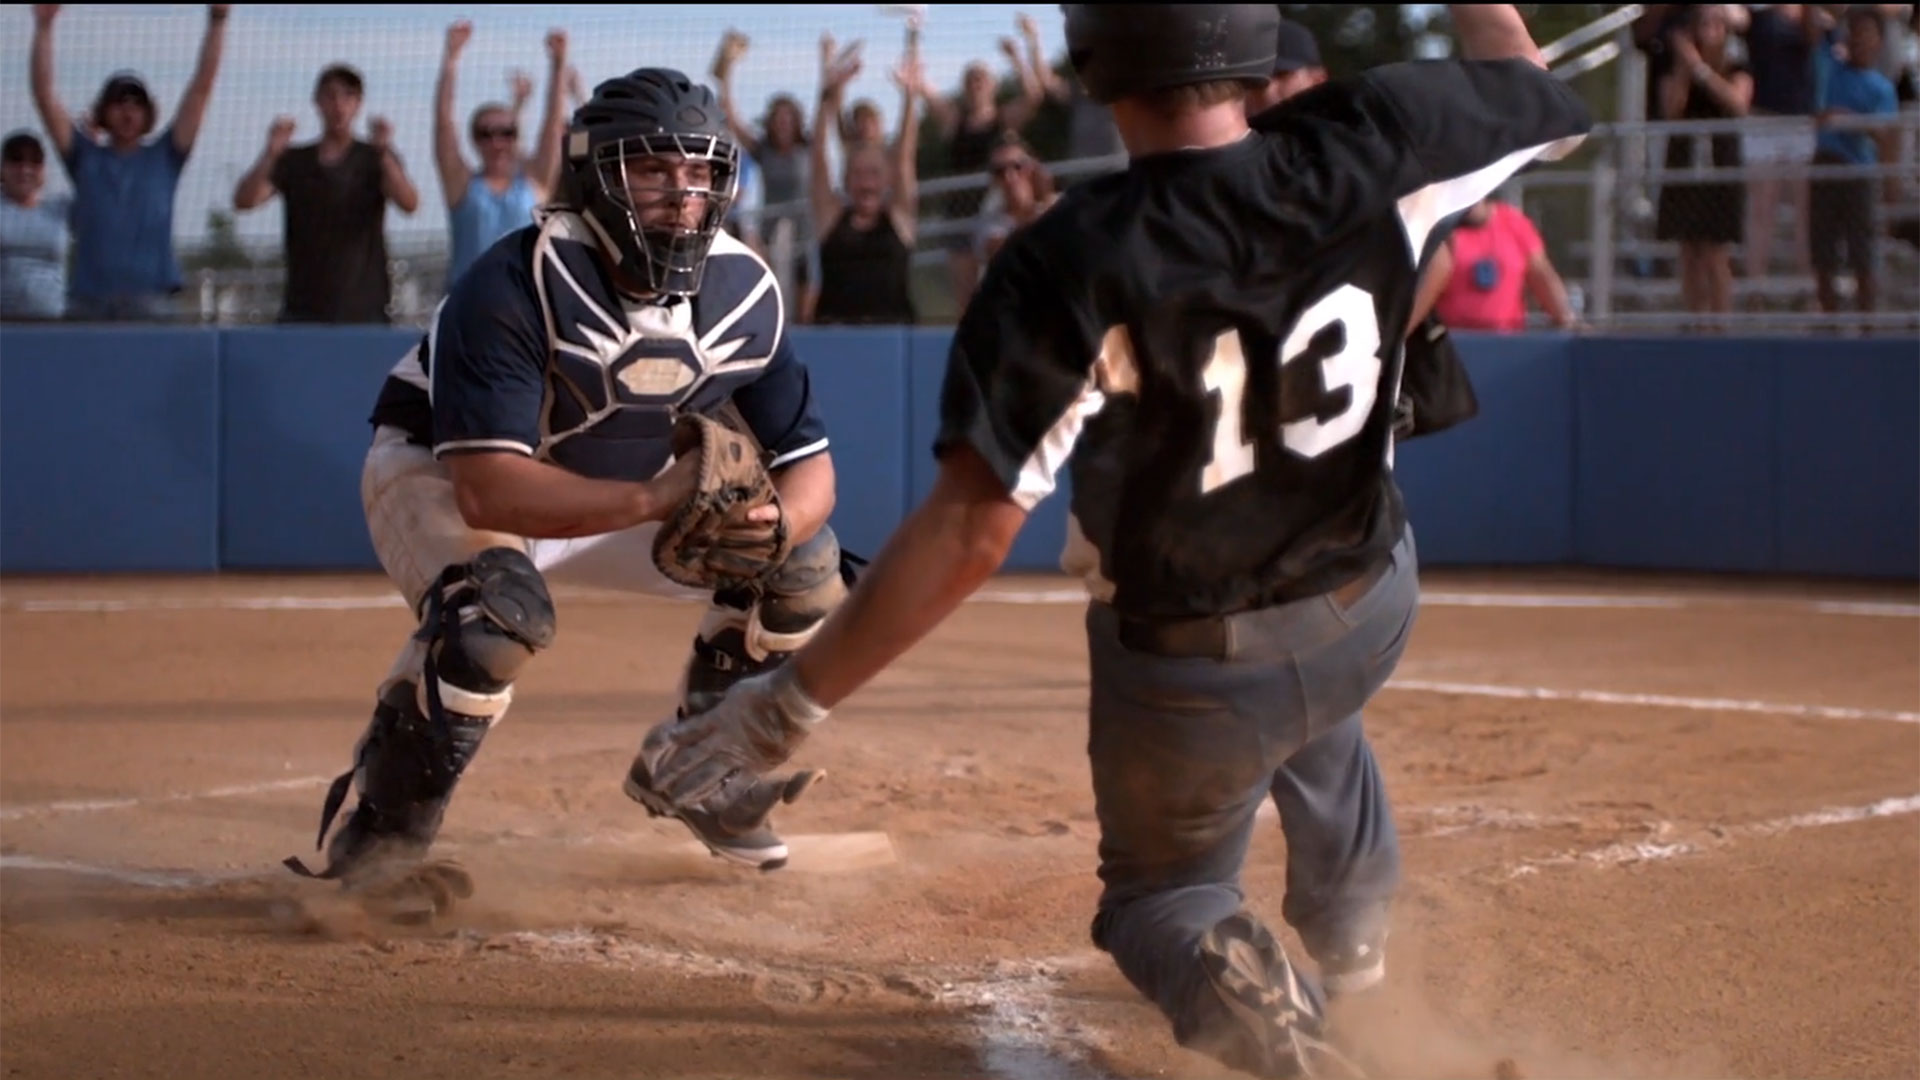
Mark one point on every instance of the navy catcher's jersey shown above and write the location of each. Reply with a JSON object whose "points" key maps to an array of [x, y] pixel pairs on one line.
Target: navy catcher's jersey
{"points": [[534, 352], [1211, 341]]}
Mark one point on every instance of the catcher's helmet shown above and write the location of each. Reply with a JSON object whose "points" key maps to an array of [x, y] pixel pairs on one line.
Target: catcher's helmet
{"points": [[637, 150], [1119, 50]]}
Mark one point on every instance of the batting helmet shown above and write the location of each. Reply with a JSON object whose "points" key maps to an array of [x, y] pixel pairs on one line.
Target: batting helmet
{"points": [[626, 150], [1119, 50]]}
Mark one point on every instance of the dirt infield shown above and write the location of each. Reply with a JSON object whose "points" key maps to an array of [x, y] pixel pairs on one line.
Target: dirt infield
{"points": [[1653, 829]]}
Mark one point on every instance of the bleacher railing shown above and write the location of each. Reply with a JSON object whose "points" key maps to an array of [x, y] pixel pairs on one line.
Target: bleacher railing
{"points": [[1596, 211], [1600, 211]]}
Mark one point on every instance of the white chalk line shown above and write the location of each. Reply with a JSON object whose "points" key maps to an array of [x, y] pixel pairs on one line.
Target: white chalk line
{"points": [[234, 791], [1873, 610], [1010, 1005], [1574, 601], [151, 879], [1656, 701], [1434, 599], [1522, 693], [1013, 1007], [1454, 820], [1666, 843], [201, 603], [990, 595], [94, 806]]}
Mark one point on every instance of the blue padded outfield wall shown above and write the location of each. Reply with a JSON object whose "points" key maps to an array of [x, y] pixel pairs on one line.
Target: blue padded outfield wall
{"points": [[190, 449]]}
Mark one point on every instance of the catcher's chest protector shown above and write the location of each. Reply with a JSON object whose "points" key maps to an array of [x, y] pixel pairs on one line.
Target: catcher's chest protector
{"points": [[619, 372]]}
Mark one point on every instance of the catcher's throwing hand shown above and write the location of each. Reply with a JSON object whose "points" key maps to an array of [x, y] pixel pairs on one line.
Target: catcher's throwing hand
{"points": [[755, 728]]}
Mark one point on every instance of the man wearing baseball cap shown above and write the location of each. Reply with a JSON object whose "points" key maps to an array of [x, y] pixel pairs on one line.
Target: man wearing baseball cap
{"points": [[124, 266], [1296, 67]]}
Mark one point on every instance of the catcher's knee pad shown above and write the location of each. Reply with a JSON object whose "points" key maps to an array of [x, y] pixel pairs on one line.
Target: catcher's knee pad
{"points": [[484, 620], [798, 597]]}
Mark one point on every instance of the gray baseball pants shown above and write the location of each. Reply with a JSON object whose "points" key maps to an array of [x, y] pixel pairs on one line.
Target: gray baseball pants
{"points": [[1184, 749]]}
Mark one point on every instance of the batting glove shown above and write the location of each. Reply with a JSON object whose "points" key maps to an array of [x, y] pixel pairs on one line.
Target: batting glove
{"points": [[756, 727]]}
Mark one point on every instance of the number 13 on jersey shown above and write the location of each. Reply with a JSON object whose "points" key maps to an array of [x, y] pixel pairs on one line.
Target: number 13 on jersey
{"points": [[1354, 365]]}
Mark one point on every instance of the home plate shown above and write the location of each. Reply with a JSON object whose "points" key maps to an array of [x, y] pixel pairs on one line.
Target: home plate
{"points": [[829, 853]]}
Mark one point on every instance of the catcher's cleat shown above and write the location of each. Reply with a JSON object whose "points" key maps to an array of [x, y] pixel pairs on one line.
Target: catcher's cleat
{"points": [[400, 810], [1280, 1015], [732, 826], [416, 895], [368, 846], [752, 630], [388, 873]]}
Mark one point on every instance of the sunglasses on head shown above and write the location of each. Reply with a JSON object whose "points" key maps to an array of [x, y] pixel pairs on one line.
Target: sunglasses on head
{"points": [[496, 133]]}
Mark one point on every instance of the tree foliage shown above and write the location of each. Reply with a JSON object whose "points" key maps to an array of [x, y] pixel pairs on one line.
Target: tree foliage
{"points": [[1355, 37], [222, 249]]}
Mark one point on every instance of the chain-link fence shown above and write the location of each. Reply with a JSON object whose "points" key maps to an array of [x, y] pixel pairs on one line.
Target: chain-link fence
{"points": [[1629, 221], [270, 58]]}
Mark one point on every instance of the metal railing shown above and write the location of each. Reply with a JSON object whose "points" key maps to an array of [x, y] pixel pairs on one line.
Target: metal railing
{"points": [[1615, 25], [1604, 26], [1626, 277], [252, 294], [1595, 211]]}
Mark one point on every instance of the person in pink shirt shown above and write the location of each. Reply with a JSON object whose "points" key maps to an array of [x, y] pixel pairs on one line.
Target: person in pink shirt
{"points": [[1491, 262]]}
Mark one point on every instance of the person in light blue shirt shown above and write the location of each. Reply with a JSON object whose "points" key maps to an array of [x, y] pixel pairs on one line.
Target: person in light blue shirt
{"points": [[499, 197], [33, 234], [1841, 209], [124, 267], [743, 215]]}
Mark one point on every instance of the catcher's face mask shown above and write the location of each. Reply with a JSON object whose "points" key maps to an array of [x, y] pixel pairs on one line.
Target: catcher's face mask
{"points": [[673, 192]]}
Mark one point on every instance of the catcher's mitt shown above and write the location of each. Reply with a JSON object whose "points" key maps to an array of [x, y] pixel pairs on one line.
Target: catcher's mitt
{"points": [[707, 542]]}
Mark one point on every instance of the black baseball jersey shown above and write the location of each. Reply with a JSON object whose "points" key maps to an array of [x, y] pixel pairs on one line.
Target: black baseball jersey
{"points": [[1211, 340], [535, 352]]}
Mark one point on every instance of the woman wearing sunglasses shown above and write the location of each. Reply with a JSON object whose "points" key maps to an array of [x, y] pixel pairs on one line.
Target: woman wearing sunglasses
{"points": [[1022, 191], [499, 196]]}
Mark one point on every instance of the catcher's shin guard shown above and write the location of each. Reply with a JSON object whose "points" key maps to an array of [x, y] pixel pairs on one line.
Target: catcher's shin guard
{"points": [[748, 631], [484, 619], [404, 782]]}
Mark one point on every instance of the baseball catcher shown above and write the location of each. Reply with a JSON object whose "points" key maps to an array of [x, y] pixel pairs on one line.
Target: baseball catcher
{"points": [[614, 401]]}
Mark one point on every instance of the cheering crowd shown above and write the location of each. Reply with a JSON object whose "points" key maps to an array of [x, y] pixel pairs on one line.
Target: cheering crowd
{"points": [[843, 242]]}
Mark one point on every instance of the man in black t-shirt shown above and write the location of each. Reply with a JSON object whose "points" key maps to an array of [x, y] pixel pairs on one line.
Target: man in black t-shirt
{"points": [[334, 194], [1211, 342]]}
